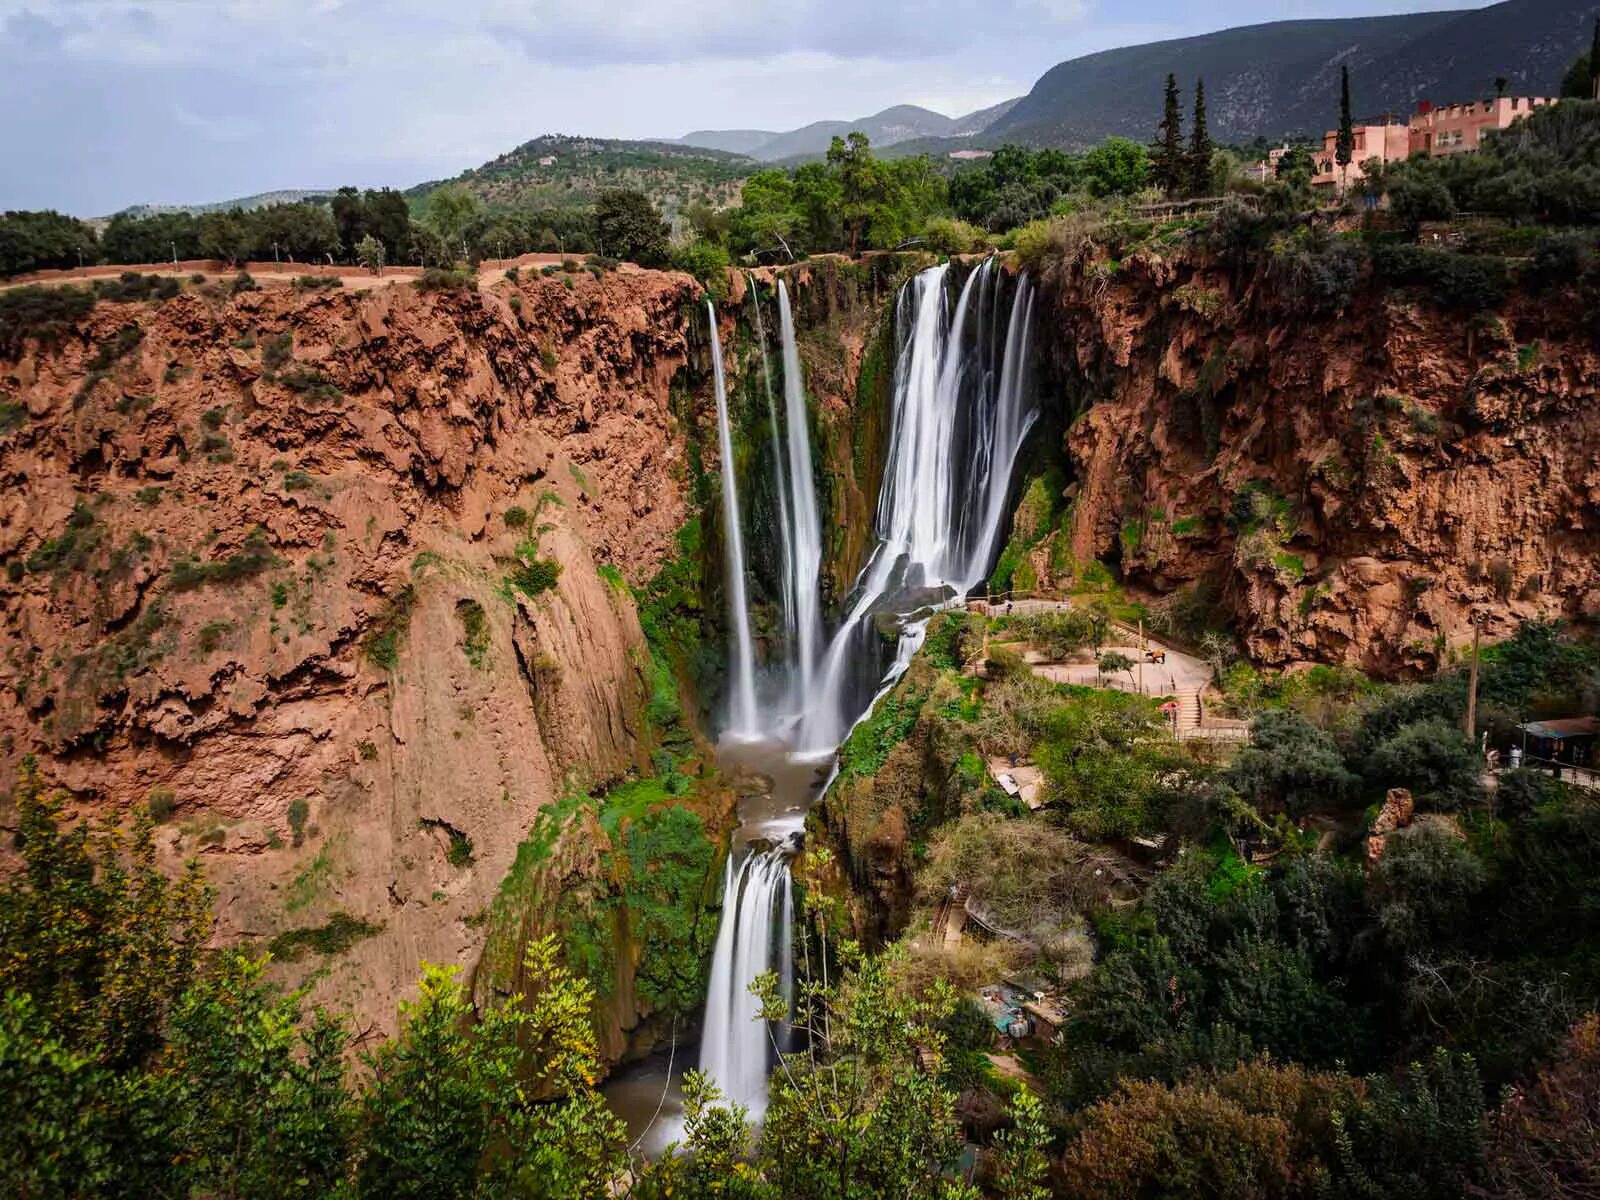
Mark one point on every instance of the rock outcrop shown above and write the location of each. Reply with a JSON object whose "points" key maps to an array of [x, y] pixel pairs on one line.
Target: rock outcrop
{"points": [[1354, 485]]}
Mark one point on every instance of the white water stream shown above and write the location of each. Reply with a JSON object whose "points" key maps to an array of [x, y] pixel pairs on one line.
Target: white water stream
{"points": [[961, 408]]}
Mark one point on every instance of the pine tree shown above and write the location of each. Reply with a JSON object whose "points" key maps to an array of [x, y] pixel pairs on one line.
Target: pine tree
{"points": [[1594, 57], [1200, 145], [1167, 167], [1345, 147]]}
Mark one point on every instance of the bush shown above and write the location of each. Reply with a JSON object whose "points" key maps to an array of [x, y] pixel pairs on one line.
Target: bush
{"points": [[538, 576], [1451, 280], [162, 804], [946, 235], [707, 262], [1433, 758], [1423, 886], [317, 283], [444, 279], [39, 312]]}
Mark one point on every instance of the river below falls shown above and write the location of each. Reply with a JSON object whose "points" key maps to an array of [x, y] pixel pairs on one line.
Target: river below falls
{"points": [[775, 792]]}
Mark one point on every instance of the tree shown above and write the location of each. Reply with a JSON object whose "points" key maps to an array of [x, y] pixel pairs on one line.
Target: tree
{"points": [[1541, 1142], [388, 219], [350, 216], [99, 938], [629, 227], [33, 241], [1423, 886], [370, 254], [225, 236], [1290, 766], [1431, 757], [1166, 153], [1579, 81], [450, 210], [1113, 661], [505, 1106], [1116, 167], [1200, 147], [1345, 145], [861, 185]]}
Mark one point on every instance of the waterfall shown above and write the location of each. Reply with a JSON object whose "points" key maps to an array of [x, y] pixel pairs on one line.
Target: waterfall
{"points": [[742, 698], [782, 486], [805, 564], [961, 409], [956, 427], [734, 1049]]}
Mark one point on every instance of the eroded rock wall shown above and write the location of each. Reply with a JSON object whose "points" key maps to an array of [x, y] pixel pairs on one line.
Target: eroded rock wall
{"points": [[258, 560], [1356, 485]]}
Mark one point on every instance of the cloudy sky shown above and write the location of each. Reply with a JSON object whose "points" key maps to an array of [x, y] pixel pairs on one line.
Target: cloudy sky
{"points": [[105, 104]]}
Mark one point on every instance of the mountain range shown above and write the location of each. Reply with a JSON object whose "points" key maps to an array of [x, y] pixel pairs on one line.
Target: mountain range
{"points": [[1272, 80], [902, 123], [1279, 79]]}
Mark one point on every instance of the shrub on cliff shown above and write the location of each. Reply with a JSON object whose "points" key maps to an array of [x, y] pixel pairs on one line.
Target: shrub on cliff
{"points": [[39, 312], [706, 261], [1466, 281]]}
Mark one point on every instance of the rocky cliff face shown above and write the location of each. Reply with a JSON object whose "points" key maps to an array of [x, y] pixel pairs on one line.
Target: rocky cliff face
{"points": [[318, 579], [1355, 486]]}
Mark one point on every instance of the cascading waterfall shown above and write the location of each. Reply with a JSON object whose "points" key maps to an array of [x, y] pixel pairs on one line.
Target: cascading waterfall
{"points": [[742, 693], [960, 414], [733, 1050], [805, 565], [956, 428], [784, 487]]}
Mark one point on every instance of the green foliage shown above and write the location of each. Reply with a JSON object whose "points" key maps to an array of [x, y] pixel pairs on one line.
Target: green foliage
{"points": [[38, 312], [444, 279], [1109, 758], [1290, 766], [334, 936], [71, 549], [37, 241], [889, 724], [532, 575], [1452, 280], [1434, 759], [706, 261], [381, 643], [475, 637], [628, 226], [253, 557], [96, 935]]}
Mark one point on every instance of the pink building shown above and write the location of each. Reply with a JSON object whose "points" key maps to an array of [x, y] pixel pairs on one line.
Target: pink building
{"points": [[1389, 142], [1457, 128]]}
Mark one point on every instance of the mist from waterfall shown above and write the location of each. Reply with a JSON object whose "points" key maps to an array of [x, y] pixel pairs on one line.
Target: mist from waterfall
{"points": [[742, 688]]}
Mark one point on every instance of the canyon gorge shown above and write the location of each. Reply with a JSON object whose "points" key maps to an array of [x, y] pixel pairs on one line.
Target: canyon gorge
{"points": [[407, 612]]}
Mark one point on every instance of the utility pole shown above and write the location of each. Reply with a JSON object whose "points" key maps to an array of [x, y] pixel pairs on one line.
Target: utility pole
{"points": [[1471, 728]]}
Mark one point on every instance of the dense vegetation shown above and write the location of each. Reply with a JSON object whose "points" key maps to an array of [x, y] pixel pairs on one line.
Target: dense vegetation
{"points": [[1279, 1007], [138, 1064]]}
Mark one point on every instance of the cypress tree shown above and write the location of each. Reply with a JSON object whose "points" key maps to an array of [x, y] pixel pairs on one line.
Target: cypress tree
{"points": [[1594, 58], [1167, 166], [1200, 146], [1345, 147]]}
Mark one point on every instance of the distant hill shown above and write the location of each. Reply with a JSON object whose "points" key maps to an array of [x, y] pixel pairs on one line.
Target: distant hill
{"points": [[672, 175], [733, 141], [1283, 77], [248, 203], [902, 123]]}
